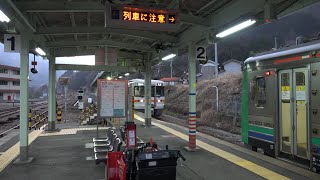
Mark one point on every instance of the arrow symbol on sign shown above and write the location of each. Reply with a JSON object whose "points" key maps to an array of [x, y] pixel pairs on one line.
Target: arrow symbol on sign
{"points": [[172, 19]]}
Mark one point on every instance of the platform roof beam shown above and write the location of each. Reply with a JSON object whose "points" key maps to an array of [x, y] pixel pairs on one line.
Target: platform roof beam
{"points": [[73, 7], [110, 43], [120, 69], [101, 30], [219, 19]]}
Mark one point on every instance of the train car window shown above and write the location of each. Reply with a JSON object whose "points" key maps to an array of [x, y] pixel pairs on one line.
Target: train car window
{"points": [[300, 79], [159, 91], [139, 91], [260, 92]]}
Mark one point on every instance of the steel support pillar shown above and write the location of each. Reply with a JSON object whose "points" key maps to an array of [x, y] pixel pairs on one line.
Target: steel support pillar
{"points": [[192, 98], [147, 91], [24, 100], [52, 95]]}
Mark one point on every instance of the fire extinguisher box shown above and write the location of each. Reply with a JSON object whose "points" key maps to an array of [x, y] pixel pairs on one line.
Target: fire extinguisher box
{"points": [[122, 169], [131, 135], [113, 165]]}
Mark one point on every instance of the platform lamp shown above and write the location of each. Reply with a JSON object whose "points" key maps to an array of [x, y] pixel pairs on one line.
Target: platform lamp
{"points": [[240, 26], [64, 82], [169, 55], [4, 17]]}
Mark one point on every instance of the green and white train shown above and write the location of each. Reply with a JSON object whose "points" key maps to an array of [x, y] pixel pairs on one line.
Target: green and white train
{"points": [[281, 103]]}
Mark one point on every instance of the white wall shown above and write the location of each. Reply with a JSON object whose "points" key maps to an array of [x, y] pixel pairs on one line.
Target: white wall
{"points": [[10, 74], [15, 95], [170, 83], [10, 86], [232, 67]]}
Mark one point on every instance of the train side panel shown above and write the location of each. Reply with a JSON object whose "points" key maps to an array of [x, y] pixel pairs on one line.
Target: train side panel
{"points": [[262, 109], [314, 131]]}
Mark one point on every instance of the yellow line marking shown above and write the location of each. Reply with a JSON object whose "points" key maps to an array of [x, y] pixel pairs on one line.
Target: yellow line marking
{"points": [[255, 168], [14, 151]]}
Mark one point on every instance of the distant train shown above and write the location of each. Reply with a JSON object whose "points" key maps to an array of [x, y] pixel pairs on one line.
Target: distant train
{"points": [[281, 103], [136, 87]]}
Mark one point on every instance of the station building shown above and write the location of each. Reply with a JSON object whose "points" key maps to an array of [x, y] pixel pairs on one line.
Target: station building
{"points": [[9, 83]]}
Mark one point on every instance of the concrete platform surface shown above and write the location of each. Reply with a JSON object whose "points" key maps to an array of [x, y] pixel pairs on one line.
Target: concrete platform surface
{"points": [[66, 155], [58, 157]]}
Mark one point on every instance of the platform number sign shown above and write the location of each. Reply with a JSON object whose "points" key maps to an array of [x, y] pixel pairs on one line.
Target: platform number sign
{"points": [[201, 54], [12, 43]]}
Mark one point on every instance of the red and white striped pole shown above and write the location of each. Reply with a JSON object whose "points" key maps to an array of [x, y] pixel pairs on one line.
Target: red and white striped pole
{"points": [[192, 131]]}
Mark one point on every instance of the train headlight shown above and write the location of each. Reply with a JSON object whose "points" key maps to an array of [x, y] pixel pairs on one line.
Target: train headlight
{"points": [[159, 100], [141, 100]]}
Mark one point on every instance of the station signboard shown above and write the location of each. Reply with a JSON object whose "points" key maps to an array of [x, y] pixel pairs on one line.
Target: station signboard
{"points": [[112, 98], [144, 18]]}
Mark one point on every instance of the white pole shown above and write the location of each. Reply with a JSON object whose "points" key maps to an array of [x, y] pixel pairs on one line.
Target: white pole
{"points": [[65, 100], [216, 58], [171, 68], [217, 97]]}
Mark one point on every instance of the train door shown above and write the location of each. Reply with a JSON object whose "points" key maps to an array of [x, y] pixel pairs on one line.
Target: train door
{"points": [[293, 112]]}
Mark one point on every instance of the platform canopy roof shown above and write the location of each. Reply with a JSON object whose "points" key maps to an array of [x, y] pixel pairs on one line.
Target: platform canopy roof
{"points": [[79, 27]]}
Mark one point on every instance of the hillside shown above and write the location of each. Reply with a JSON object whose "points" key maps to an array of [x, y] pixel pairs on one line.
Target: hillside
{"points": [[79, 79], [228, 117]]}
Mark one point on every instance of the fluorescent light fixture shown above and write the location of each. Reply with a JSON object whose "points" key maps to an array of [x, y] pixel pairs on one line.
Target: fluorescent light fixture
{"points": [[168, 57], [120, 77], [3, 17], [109, 78], [127, 74], [40, 51], [236, 28], [77, 60]]}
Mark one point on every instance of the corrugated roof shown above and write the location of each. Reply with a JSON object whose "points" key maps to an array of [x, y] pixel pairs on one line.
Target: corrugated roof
{"points": [[169, 79]]}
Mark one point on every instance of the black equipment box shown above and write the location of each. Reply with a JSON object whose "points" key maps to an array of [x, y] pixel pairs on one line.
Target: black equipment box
{"points": [[156, 165], [315, 163]]}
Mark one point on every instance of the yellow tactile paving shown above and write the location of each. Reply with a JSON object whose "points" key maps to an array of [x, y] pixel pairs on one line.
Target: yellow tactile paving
{"points": [[69, 131], [255, 168], [61, 132], [14, 151]]}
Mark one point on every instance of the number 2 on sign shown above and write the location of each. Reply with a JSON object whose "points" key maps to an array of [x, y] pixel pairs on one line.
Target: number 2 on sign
{"points": [[201, 53]]}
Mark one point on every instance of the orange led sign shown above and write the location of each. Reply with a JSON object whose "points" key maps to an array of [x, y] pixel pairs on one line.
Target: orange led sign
{"points": [[160, 18]]}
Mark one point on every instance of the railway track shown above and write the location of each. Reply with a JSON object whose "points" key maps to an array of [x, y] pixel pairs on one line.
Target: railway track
{"points": [[5, 111], [37, 120], [15, 111]]}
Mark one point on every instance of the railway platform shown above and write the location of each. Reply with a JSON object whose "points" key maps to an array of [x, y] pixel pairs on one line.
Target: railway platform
{"points": [[67, 154]]}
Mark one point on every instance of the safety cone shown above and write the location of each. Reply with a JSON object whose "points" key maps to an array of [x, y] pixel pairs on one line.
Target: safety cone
{"points": [[150, 140]]}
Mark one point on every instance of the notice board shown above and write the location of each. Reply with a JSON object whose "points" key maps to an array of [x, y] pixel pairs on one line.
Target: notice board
{"points": [[112, 98]]}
